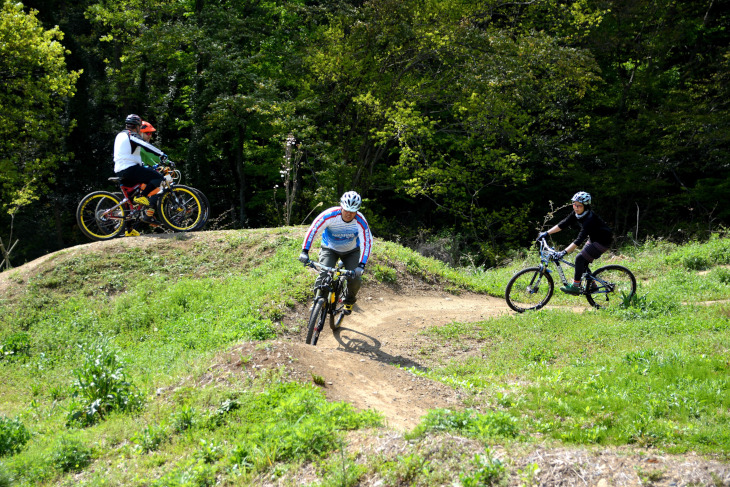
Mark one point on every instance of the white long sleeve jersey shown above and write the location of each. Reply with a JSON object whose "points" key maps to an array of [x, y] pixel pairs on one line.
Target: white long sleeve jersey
{"points": [[339, 235], [127, 149]]}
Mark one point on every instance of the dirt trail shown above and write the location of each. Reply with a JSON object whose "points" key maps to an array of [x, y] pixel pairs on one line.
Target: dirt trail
{"points": [[361, 362]]}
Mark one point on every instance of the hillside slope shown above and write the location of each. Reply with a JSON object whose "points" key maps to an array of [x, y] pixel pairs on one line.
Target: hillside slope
{"points": [[368, 362]]}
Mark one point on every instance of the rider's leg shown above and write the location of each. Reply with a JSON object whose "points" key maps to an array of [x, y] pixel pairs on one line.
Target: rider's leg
{"points": [[151, 179], [328, 258], [351, 259], [581, 264], [589, 253]]}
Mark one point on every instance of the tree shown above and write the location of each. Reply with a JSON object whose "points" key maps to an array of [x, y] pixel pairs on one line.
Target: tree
{"points": [[34, 87], [456, 107]]}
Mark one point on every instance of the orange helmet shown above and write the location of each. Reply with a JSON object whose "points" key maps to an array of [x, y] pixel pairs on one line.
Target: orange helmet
{"points": [[146, 127]]}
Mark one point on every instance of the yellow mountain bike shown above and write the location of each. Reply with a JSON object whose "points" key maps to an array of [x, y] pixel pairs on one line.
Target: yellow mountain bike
{"points": [[104, 215], [329, 295]]}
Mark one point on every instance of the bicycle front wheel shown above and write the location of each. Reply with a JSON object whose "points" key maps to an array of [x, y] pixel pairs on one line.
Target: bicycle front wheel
{"points": [[100, 215], [180, 209], [613, 286], [530, 288], [204, 207], [316, 321]]}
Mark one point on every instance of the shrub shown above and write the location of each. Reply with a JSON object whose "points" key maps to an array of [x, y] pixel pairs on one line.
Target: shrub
{"points": [[70, 455], [13, 436], [487, 471], [15, 346], [150, 438], [385, 274], [5, 479], [101, 386]]}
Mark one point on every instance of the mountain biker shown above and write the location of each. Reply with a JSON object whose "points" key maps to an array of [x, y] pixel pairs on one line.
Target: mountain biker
{"points": [[128, 164], [593, 228], [345, 235], [146, 131]]}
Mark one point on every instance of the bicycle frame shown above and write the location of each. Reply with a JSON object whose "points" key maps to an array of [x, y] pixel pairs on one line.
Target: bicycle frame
{"points": [[547, 254], [332, 282], [171, 176]]}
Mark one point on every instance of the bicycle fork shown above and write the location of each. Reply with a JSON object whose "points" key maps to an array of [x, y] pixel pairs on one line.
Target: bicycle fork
{"points": [[536, 279]]}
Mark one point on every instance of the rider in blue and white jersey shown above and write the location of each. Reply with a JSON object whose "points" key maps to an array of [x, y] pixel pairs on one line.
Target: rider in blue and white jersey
{"points": [[345, 235]]}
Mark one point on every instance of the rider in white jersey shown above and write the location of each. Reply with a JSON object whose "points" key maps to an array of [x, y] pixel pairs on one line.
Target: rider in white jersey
{"points": [[128, 165], [345, 235]]}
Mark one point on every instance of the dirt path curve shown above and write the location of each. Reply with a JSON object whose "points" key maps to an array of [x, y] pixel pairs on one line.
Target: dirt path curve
{"points": [[361, 362]]}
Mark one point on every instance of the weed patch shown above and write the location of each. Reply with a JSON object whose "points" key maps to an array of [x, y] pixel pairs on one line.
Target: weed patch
{"points": [[101, 385], [13, 436], [70, 454], [468, 423]]}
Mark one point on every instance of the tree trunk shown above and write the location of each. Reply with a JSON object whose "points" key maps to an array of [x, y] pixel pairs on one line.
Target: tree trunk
{"points": [[238, 155]]}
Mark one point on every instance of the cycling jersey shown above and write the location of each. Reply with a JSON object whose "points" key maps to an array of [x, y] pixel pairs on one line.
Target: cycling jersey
{"points": [[592, 226], [339, 235], [127, 148]]}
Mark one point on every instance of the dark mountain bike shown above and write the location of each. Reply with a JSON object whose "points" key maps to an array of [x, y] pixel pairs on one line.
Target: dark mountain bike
{"points": [[606, 287], [103, 215], [328, 299]]}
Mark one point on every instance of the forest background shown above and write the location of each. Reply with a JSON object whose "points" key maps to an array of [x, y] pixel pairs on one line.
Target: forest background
{"points": [[465, 125]]}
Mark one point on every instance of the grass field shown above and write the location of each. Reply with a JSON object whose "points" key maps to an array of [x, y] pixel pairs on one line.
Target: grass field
{"points": [[100, 352]]}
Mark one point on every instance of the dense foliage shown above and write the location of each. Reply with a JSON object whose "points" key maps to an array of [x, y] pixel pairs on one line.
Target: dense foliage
{"points": [[465, 122]]}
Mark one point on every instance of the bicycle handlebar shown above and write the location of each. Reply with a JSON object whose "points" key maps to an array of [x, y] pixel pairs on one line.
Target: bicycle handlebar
{"points": [[547, 249], [330, 270]]}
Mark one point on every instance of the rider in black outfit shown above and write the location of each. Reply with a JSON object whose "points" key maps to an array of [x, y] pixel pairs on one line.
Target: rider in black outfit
{"points": [[593, 228]]}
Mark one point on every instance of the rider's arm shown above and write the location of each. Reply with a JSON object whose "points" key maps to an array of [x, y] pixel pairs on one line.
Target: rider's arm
{"points": [[319, 224], [136, 140], [570, 247], [366, 238]]}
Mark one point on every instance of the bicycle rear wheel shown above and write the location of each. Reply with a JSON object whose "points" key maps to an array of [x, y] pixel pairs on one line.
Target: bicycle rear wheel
{"points": [[316, 321], [100, 215], [180, 209], [530, 288], [614, 285]]}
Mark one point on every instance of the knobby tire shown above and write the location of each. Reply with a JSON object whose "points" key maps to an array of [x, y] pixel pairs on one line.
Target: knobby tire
{"points": [[316, 318], [180, 209], [619, 287], [204, 205], [529, 290], [95, 219]]}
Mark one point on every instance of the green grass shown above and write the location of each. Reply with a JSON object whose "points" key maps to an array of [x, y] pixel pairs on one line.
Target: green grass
{"points": [[654, 374]]}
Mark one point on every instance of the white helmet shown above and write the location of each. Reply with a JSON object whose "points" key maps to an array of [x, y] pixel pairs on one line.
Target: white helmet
{"points": [[582, 197], [350, 201]]}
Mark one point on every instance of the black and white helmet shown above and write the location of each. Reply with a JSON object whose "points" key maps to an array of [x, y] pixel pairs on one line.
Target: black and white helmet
{"points": [[350, 201], [582, 197], [133, 119]]}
